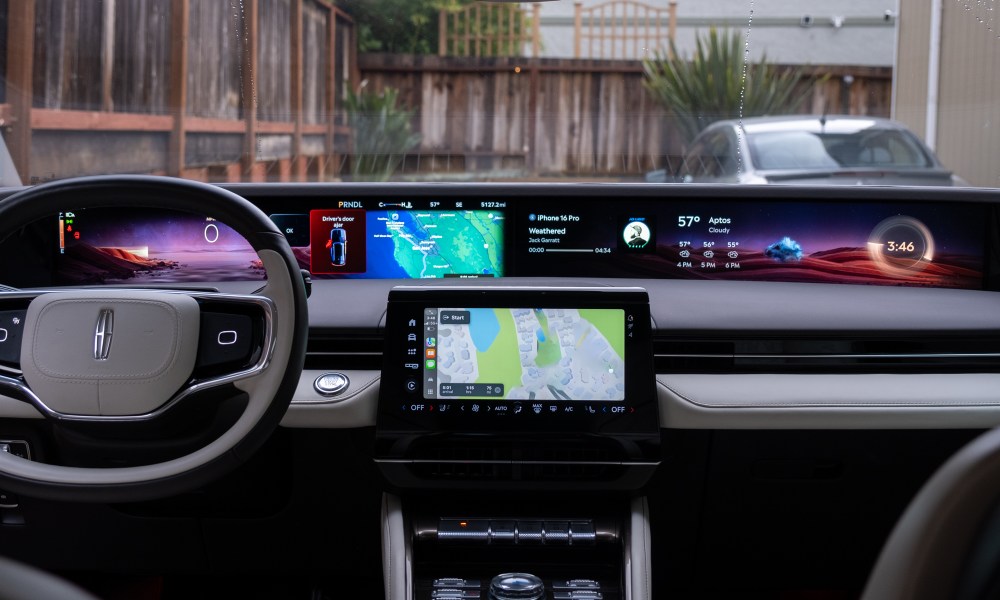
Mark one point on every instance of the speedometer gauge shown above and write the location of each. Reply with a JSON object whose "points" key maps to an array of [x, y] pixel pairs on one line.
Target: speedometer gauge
{"points": [[900, 245]]}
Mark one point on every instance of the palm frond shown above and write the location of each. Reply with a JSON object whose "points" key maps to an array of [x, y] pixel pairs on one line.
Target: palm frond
{"points": [[717, 83]]}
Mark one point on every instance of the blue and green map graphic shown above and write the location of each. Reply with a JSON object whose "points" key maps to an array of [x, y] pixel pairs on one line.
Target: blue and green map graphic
{"points": [[418, 244], [537, 354]]}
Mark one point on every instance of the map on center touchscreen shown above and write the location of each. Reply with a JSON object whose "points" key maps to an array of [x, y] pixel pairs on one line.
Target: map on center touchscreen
{"points": [[523, 353], [403, 244]]}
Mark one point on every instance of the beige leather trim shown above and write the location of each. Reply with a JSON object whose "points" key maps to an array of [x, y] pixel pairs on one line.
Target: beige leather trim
{"points": [[355, 408], [638, 548], [869, 401], [855, 401], [397, 568]]}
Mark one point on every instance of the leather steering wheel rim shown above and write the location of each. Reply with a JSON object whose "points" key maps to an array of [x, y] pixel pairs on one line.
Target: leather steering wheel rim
{"points": [[270, 391]]}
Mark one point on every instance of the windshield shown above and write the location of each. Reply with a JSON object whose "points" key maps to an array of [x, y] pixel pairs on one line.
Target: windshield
{"points": [[463, 90]]}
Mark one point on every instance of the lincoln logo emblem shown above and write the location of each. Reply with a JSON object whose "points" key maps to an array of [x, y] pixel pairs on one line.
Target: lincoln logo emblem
{"points": [[102, 333]]}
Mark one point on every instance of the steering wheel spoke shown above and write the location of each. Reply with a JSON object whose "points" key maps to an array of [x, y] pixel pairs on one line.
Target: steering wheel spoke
{"points": [[13, 312], [128, 355]]}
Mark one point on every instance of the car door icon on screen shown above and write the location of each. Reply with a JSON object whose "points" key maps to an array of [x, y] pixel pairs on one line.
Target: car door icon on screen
{"points": [[338, 246]]}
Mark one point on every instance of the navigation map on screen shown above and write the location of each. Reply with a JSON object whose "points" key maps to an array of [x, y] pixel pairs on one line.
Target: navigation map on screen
{"points": [[403, 244], [523, 353]]}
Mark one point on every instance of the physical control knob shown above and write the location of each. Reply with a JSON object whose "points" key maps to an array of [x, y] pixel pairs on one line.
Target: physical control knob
{"points": [[516, 586]]}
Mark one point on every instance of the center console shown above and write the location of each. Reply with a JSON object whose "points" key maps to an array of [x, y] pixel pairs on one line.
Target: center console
{"points": [[515, 430]]}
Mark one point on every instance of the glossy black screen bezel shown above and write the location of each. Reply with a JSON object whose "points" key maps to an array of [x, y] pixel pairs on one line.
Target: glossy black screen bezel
{"points": [[398, 411]]}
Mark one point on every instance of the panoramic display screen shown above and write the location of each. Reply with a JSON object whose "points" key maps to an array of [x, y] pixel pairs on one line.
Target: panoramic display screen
{"points": [[887, 243]]}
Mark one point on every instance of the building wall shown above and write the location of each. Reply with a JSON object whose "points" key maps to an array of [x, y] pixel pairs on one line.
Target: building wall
{"points": [[910, 77], [967, 136], [865, 36], [968, 132]]}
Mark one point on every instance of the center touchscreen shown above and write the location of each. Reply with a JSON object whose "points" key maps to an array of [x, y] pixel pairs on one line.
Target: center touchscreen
{"points": [[524, 353], [508, 358]]}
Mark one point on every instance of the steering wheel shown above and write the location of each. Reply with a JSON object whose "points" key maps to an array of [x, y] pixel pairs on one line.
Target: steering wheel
{"points": [[114, 357]]}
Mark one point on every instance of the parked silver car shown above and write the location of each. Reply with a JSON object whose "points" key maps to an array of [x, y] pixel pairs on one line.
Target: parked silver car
{"points": [[825, 150]]}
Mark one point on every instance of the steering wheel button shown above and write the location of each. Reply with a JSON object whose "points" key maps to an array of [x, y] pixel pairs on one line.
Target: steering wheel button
{"points": [[11, 325], [225, 341]]}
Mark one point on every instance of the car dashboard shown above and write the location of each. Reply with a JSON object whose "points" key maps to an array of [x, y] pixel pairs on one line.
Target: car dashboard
{"points": [[624, 390]]}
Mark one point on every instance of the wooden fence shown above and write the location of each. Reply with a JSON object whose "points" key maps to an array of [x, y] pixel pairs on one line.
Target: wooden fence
{"points": [[563, 116], [197, 88]]}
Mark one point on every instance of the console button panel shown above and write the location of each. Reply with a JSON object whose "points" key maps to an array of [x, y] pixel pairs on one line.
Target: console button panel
{"points": [[520, 531]]}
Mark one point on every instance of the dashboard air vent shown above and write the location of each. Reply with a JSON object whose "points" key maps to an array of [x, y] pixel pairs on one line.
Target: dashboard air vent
{"points": [[360, 350], [825, 353], [560, 461]]}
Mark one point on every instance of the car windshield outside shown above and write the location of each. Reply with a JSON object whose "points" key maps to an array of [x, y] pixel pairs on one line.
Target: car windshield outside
{"points": [[463, 90]]}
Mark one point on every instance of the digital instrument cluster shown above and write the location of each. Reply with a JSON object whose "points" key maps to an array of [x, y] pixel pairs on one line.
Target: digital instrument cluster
{"points": [[109, 246]]}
